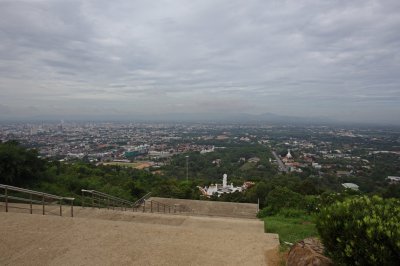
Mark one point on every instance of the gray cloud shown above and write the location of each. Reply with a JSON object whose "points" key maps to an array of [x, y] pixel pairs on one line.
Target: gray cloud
{"points": [[290, 57]]}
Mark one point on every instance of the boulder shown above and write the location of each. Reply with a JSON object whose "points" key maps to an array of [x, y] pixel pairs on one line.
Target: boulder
{"points": [[308, 251]]}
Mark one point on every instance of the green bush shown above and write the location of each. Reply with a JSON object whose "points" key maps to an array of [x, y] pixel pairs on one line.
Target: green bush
{"points": [[264, 212], [286, 203], [282, 198], [283, 213], [312, 204], [362, 231]]}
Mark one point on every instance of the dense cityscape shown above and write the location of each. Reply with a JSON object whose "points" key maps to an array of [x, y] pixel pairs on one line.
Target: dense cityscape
{"points": [[350, 154]]}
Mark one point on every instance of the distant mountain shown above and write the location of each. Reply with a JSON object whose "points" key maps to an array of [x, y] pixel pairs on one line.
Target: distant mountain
{"points": [[190, 117], [236, 117], [271, 118]]}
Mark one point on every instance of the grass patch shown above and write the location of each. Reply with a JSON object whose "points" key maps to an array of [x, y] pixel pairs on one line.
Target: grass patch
{"points": [[290, 229]]}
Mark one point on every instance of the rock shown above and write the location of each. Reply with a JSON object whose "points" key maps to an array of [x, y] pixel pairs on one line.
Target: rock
{"points": [[308, 251]]}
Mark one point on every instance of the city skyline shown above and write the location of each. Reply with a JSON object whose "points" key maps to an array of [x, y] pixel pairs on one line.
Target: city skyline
{"points": [[337, 60]]}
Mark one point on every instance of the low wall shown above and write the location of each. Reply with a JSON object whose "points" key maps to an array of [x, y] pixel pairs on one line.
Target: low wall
{"points": [[214, 208]]}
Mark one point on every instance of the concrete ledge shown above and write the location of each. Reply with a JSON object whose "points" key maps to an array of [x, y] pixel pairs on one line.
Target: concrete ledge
{"points": [[214, 208]]}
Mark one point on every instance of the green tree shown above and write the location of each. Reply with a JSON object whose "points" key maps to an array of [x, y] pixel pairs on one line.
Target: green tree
{"points": [[282, 197], [18, 165]]}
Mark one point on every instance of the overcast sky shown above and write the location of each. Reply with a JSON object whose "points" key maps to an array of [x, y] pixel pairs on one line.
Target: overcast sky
{"points": [[338, 59]]}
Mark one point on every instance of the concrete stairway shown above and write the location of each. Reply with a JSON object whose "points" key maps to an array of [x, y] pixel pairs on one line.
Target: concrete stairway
{"points": [[111, 237], [107, 237]]}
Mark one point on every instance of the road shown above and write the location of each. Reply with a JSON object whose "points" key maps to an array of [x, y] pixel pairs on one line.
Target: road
{"points": [[282, 167]]}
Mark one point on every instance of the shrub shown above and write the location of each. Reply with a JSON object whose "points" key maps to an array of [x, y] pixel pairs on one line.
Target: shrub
{"points": [[362, 231], [287, 203], [312, 204], [264, 212], [328, 198], [281, 198], [285, 213]]}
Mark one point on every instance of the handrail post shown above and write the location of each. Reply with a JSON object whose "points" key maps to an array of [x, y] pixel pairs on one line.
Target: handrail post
{"points": [[60, 207], [144, 206], [151, 206], [83, 199], [30, 202], [158, 206], [43, 203], [72, 208], [6, 194], [92, 200], [108, 203]]}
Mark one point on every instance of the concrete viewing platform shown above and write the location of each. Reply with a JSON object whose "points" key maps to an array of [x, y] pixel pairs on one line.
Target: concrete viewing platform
{"points": [[110, 237]]}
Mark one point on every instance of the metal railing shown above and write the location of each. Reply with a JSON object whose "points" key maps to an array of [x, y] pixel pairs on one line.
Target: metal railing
{"points": [[16, 195], [96, 199], [156, 206], [142, 200]]}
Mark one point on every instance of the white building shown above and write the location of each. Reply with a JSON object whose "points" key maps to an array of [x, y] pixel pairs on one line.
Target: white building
{"points": [[350, 186], [220, 189], [393, 179], [289, 155]]}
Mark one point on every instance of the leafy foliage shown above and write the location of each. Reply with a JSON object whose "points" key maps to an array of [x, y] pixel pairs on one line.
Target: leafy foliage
{"points": [[362, 231], [19, 165], [282, 197]]}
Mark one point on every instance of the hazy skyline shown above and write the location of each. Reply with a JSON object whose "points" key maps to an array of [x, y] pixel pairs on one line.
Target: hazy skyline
{"points": [[336, 59]]}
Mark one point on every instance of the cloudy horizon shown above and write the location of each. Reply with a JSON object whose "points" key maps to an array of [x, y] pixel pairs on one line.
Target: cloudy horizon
{"points": [[334, 59]]}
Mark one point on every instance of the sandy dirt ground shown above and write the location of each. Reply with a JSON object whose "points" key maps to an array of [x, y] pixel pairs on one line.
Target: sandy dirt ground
{"points": [[136, 165], [106, 237]]}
